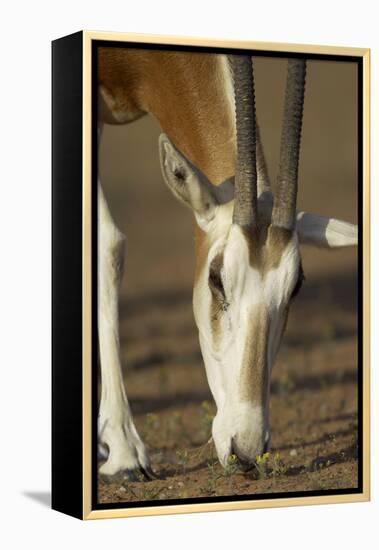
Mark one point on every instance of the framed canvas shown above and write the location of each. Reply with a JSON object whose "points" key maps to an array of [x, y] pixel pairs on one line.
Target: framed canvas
{"points": [[166, 398]]}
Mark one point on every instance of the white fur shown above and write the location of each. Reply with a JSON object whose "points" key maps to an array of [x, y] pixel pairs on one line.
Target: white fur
{"points": [[325, 232], [116, 428]]}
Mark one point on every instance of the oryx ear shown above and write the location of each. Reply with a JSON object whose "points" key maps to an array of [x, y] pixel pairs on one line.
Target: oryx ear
{"points": [[186, 182], [325, 232]]}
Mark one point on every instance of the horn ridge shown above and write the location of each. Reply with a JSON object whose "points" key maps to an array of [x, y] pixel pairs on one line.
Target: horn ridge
{"points": [[284, 212], [245, 201]]}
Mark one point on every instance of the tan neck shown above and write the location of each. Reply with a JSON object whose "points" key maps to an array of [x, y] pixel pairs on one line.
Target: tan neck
{"points": [[190, 94]]}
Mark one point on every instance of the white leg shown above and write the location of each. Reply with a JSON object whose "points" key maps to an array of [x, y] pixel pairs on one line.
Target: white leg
{"points": [[116, 430]]}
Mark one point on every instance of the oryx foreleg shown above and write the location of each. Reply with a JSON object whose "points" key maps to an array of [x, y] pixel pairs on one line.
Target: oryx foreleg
{"points": [[116, 429]]}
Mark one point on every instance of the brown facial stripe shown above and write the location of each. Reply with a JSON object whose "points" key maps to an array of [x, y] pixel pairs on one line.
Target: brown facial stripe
{"points": [[254, 371], [266, 246]]}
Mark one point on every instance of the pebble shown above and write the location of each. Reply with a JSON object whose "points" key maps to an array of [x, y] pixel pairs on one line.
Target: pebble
{"points": [[293, 452]]}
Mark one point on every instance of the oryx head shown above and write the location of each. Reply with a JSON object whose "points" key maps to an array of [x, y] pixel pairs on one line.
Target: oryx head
{"points": [[249, 264]]}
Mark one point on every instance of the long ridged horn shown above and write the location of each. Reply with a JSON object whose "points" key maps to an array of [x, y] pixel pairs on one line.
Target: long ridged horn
{"points": [[284, 213], [245, 190]]}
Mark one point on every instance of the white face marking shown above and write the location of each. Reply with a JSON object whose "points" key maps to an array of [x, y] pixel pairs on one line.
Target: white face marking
{"points": [[240, 346]]}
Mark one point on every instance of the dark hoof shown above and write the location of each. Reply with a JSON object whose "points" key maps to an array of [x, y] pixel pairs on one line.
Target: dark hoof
{"points": [[148, 473], [137, 474]]}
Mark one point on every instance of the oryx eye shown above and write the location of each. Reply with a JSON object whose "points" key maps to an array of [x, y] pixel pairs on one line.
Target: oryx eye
{"points": [[179, 174], [299, 282]]}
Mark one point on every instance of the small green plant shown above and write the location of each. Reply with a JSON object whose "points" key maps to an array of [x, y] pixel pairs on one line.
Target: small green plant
{"points": [[214, 476], [277, 464], [231, 467], [261, 465]]}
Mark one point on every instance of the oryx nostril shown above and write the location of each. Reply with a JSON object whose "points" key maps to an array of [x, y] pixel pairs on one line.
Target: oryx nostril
{"points": [[233, 447], [242, 462], [247, 445]]}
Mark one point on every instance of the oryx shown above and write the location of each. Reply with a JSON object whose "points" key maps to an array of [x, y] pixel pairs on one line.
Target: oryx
{"points": [[248, 263]]}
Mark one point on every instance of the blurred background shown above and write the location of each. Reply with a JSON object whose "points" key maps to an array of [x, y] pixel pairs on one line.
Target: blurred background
{"points": [[314, 381]]}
